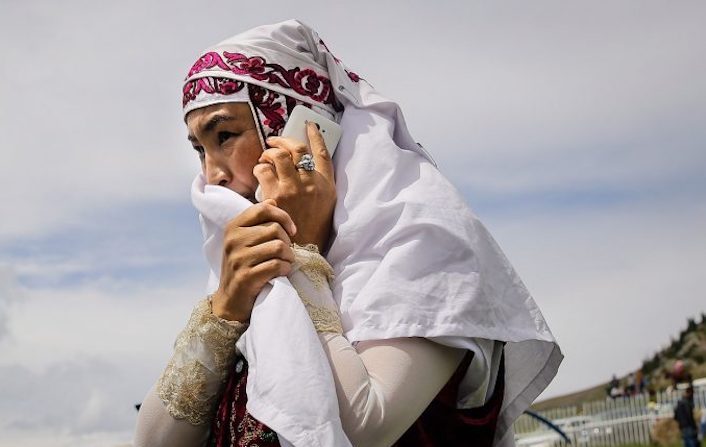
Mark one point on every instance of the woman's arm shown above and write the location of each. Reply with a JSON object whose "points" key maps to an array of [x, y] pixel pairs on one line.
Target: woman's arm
{"points": [[178, 410], [157, 428], [382, 386]]}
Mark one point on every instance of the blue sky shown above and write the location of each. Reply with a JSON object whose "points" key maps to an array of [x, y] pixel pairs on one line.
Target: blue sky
{"points": [[575, 131]]}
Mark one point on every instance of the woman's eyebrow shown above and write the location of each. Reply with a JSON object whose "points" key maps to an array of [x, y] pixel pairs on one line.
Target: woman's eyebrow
{"points": [[214, 121], [211, 124]]}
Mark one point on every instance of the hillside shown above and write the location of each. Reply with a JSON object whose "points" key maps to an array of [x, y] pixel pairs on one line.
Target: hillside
{"points": [[689, 347]]}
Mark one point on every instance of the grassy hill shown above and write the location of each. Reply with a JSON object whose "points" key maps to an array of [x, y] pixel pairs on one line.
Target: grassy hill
{"points": [[689, 347], [589, 394]]}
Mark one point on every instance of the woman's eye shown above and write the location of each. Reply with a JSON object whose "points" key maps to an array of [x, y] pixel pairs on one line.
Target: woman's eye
{"points": [[223, 136]]}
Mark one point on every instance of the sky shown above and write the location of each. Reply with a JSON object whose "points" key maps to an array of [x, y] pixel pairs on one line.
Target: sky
{"points": [[573, 129]]}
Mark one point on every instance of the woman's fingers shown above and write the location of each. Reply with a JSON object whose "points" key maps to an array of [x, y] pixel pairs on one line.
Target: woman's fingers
{"points": [[270, 269], [266, 176], [283, 160], [264, 213], [322, 157], [296, 148], [269, 259], [266, 232], [307, 196], [272, 249], [256, 249], [265, 173]]}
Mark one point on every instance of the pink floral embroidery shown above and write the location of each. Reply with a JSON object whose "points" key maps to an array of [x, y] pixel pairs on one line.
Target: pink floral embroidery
{"points": [[206, 62], [222, 86], [270, 106], [305, 82], [241, 64]]}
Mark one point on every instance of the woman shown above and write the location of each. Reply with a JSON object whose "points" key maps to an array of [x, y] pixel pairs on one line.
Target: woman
{"points": [[413, 330]]}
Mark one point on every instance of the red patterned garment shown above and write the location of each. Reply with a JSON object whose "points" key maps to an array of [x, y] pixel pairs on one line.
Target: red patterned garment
{"points": [[233, 425], [441, 424]]}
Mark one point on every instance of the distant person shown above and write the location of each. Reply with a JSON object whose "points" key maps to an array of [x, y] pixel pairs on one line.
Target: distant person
{"points": [[639, 382], [630, 387], [614, 382], [680, 373], [614, 387], [684, 415]]}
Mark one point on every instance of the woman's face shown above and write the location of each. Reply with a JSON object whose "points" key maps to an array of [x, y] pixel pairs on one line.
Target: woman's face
{"points": [[226, 139]]}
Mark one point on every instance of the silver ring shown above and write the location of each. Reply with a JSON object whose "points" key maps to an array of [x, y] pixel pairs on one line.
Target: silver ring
{"points": [[306, 163]]}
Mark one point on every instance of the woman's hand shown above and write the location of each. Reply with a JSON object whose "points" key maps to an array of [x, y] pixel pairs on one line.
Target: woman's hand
{"points": [[256, 249], [308, 197]]}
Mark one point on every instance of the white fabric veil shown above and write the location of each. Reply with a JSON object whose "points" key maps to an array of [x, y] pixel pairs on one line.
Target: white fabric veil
{"points": [[410, 258]]}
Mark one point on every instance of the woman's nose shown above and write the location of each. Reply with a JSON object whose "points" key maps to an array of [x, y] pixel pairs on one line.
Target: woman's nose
{"points": [[216, 172]]}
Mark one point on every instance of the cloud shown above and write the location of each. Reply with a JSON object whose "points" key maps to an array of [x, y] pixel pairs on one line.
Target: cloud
{"points": [[60, 438], [9, 294], [154, 241], [92, 123], [563, 97], [80, 356], [111, 320], [613, 283], [79, 396], [551, 98]]}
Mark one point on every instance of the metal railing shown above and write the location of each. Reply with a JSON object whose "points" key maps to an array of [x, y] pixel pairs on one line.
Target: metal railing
{"points": [[610, 422]]}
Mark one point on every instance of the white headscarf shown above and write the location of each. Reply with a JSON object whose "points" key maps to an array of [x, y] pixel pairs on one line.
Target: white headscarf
{"points": [[410, 258]]}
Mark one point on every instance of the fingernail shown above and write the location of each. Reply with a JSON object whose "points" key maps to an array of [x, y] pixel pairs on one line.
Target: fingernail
{"points": [[294, 229]]}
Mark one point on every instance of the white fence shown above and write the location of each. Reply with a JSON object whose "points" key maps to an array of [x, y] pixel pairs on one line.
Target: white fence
{"points": [[611, 422]]}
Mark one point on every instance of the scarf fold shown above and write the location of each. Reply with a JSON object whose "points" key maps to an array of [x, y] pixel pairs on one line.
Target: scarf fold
{"points": [[290, 386]]}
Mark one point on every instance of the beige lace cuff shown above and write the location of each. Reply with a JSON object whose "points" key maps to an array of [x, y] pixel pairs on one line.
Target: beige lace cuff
{"points": [[203, 351], [311, 278]]}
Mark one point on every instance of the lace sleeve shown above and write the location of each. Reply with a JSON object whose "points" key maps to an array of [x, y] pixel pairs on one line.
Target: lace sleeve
{"points": [[199, 366], [311, 278]]}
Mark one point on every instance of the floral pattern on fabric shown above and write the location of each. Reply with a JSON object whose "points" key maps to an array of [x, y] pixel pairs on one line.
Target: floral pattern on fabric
{"points": [[233, 426], [304, 81], [221, 86], [273, 109], [189, 384]]}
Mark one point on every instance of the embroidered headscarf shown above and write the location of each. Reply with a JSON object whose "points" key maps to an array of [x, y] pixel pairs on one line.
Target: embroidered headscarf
{"points": [[410, 258], [205, 86]]}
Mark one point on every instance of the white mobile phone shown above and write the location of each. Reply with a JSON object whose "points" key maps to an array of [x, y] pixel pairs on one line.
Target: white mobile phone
{"points": [[296, 128]]}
